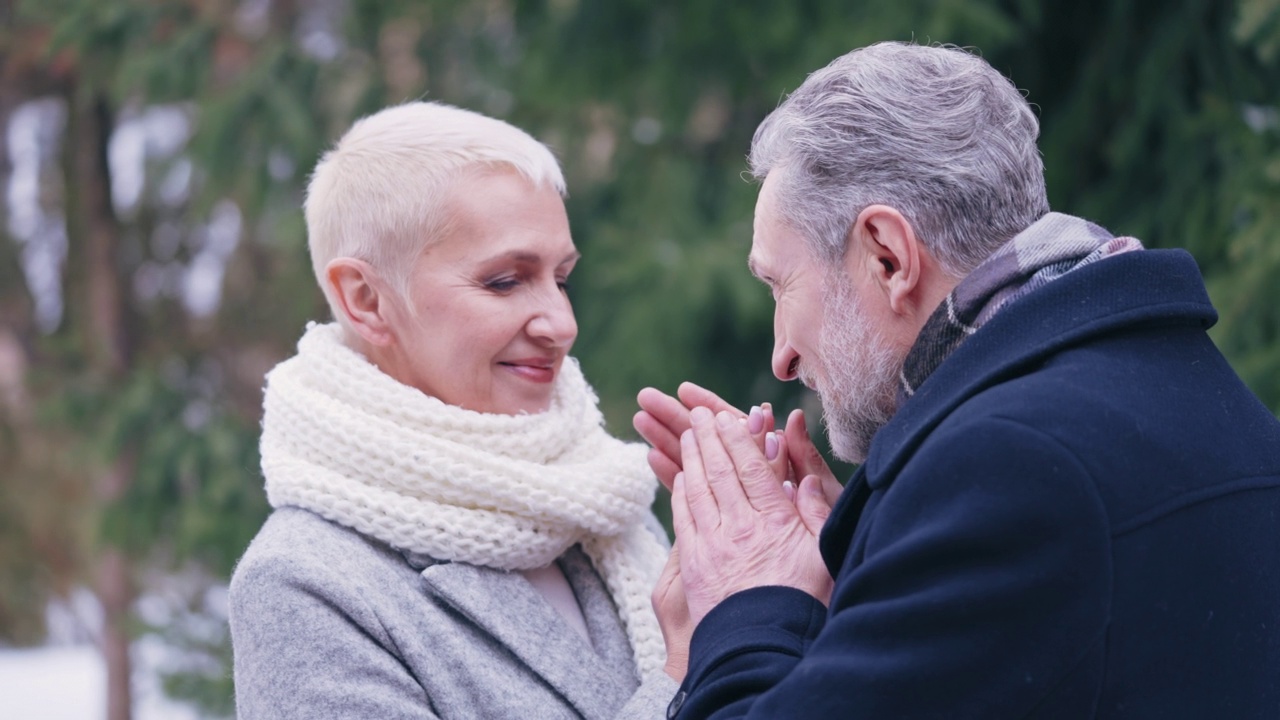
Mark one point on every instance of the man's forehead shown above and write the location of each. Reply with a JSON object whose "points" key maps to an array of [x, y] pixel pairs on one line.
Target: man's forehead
{"points": [[761, 225]]}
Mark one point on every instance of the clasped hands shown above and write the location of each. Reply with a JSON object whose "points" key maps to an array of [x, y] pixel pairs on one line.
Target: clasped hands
{"points": [[741, 518]]}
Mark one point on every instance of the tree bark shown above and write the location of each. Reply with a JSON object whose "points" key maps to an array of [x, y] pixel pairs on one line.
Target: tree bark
{"points": [[105, 331], [115, 592]]}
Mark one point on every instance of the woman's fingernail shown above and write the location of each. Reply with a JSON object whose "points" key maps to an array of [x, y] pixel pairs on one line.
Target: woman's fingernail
{"points": [[789, 490], [771, 446], [755, 420]]}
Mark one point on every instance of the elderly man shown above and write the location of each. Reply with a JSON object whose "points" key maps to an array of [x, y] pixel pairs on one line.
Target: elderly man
{"points": [[1068, 505]]}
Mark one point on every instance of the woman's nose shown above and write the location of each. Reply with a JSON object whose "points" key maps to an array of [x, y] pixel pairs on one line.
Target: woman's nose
{"points": [[554, 321]]}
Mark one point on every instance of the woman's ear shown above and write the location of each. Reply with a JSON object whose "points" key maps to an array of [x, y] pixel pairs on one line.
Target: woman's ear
{"points": [[884, 246], [363, 299]]}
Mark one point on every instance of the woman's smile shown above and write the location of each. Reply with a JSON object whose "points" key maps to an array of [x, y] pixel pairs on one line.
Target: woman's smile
{"points": [[538, 370]]}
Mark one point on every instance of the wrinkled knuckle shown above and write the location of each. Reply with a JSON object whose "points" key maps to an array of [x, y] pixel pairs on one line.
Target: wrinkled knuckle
{"points": [[740, 535], [721, 475], [756, 468], [696, 493]]}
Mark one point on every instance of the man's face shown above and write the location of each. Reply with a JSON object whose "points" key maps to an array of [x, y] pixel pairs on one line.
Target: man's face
{"points": [[823, 335]]}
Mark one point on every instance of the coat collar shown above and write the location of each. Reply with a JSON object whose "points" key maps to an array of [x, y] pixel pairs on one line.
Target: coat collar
{"points": [[1139, 287], [596, 678]]}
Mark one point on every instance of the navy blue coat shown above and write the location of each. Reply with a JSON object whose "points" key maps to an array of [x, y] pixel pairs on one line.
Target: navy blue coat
{"points": [[1076, 516]]}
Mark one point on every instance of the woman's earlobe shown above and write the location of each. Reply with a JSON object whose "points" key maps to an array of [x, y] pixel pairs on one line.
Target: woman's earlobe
{"points": [[359, 298]]}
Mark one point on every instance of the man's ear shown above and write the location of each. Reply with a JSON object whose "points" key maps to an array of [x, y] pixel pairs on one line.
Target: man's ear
{"points": [[883, 246], [363, 298]]}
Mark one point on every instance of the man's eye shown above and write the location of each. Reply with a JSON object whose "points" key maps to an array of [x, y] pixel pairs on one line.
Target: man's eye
{"points": [[503, 284], [563, 283]]}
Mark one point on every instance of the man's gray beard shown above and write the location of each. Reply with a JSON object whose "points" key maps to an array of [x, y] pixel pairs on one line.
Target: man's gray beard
{"points": [[858, 378]]}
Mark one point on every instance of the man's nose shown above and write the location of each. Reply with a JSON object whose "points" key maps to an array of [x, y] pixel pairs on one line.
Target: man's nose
{"points": [[786, 361]]}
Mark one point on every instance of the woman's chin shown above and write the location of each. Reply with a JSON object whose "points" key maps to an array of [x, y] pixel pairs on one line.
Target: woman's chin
{"points": [[521, 398]]}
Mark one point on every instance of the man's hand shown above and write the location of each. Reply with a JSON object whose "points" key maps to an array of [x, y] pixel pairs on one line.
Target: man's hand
{"points": [[734, 523]]}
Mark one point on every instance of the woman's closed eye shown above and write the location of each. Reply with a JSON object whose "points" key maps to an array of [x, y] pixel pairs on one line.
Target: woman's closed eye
{"points": [[503, 284], [506, 284]]}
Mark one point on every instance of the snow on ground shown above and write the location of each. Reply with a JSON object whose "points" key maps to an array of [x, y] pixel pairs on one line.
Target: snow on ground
{"points": [[67, 678], [70, 683], [55, 683]]}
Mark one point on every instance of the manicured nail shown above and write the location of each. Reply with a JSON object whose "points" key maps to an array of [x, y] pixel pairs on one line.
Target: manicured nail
{"points": [[771, 446], [789, 490], [755, 420]]}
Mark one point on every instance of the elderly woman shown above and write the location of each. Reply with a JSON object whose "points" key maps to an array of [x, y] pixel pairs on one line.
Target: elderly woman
{"points": [[454, 533]]}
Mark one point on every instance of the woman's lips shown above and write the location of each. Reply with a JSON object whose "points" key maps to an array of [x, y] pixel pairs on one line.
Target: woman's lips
{"points": [[533, 369]]}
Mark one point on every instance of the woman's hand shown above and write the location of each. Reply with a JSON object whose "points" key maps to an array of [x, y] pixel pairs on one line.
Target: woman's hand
{"points": [[663, 419], [672, 609], [805, 459]]}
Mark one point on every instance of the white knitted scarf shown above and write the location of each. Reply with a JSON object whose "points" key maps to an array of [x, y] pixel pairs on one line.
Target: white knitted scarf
{"points": [[344, 440]]}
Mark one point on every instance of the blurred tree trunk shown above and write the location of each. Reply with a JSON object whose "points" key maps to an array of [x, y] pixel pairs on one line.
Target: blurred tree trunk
{"points": [[104, 330]]}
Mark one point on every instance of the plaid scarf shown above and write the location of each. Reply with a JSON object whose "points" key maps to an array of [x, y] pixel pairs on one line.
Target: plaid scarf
{"points": [[1053, 246]]}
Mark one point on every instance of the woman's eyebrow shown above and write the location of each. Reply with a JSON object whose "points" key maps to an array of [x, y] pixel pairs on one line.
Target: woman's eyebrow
{"points": [[520, 256], [524, 256]]}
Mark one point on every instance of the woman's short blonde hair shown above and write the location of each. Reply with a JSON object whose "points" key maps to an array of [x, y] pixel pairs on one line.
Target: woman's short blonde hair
{"points": [[378, 195]]}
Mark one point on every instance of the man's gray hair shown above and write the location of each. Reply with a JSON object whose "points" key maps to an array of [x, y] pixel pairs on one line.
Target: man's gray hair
{"points": [[933, 132]]}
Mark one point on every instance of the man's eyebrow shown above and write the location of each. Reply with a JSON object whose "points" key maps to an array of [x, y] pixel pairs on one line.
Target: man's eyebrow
{"points": [[754, 267], [574, 256]]}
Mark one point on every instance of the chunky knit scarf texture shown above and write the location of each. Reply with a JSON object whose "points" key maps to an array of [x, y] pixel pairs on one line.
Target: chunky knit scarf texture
{"points": [[344, 440], [1053, 246]]}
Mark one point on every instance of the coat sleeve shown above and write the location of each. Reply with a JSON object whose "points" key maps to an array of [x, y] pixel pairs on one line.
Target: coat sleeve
{"points": [[981, 591], [307, 645]]}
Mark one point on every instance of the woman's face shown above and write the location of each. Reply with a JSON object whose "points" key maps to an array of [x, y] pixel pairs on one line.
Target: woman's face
{"points": [[490, 323]]}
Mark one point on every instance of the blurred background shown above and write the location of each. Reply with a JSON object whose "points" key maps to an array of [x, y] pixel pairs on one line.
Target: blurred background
{"points": [[153, 263]]}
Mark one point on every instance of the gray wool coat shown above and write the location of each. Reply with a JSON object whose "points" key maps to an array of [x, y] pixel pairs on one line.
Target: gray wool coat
{"points": [[329, 623]]}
